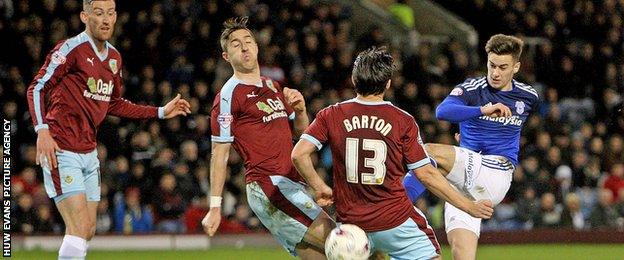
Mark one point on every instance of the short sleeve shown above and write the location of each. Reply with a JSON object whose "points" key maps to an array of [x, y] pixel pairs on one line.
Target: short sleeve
{"points": [[414, 150], [317, 132], [467, 91], [223, 117]]}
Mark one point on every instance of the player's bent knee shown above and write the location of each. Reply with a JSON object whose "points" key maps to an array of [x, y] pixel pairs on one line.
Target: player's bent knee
{"points": [[438, 150]]}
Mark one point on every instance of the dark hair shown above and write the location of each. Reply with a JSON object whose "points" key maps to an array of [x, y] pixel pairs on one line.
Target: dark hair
{"points": [[371, 71], [501, 44], [231, 25]]}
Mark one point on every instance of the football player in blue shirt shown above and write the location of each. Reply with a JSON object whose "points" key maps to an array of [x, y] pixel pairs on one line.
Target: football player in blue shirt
{"points": [[490, 111]]}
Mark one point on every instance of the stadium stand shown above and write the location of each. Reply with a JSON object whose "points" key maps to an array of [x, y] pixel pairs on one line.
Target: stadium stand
{"points": [[572, 168]]}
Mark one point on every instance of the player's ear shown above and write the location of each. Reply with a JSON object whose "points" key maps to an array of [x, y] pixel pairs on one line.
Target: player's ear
{"points": [[225, 56], [84, 17], [388, 84], [516, 67], [352, 80]]}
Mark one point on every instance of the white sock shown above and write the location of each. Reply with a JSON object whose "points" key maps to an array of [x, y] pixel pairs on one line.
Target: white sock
{"points": [[73, 247]]}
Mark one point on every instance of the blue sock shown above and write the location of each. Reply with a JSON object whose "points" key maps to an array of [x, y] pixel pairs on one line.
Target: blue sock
{"points": [[413, 186]]}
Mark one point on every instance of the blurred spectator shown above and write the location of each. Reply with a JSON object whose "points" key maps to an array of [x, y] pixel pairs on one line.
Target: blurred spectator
{"points": [[44, 224], [604, 215], [24, 215], [615, 181], [403, 12], [549, 215], [572, 146], [528, 208], [28, 180], [572, 217], [104, 222], [130, 216], [194, 215], [169, 206]]}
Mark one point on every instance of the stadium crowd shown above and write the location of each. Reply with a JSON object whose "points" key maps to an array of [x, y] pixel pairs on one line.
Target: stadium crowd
{"points": [[155, 173]]}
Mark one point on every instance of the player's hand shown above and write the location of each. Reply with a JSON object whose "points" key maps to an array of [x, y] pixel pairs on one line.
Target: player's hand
{"points": [[212, 220], [482, 209], [324, 196], [177, 106], [46, 150], [496, 110], [294, 98]]}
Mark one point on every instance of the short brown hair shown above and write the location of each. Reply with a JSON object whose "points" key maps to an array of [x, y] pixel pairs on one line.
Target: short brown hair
{"points": [[87, 3], [231, 25], [501, 44], [371, 71]]}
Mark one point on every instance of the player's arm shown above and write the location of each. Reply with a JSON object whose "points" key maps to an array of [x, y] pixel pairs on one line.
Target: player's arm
{"points": [[56, 66], [218, 164], [301, 158], [455, 109], [438, 185], [295, 99], [121, 107], [418, 161], [222, 123]]}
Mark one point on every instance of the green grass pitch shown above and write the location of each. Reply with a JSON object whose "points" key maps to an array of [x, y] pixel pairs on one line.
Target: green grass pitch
{"points": [[508, 252]]}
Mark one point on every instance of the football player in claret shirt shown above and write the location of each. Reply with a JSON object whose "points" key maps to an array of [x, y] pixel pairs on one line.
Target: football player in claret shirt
{"points": [[373, 144], [253, 114], [79, 84], [490, 111]]}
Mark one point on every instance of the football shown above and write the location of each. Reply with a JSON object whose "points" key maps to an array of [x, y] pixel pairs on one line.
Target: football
{"points": [[347, 242]]}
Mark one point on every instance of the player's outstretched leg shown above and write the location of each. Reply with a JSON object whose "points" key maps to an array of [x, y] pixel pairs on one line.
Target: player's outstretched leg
{"points": [[444, 156], [313, 244], [462, 239], [79, 226]]}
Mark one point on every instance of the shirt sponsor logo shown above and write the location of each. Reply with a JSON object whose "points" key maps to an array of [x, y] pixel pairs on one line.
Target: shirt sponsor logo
{"points": [[273, 107], [456, 92], [225, 120], [264, 107], [58, 58], [99, 90], [512, 120]]}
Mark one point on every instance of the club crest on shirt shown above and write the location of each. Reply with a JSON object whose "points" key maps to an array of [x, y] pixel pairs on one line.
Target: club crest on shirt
{"points": [[112, 63], [225, 120], [520, 107], [269, 83]]}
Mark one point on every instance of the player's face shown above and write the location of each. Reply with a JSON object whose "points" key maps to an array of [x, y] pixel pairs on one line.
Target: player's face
{"points": [[242, 51], [100, 19], [501, 69]]}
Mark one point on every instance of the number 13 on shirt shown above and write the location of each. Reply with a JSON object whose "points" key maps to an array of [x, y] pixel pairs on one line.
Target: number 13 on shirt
{"points": [[377, 162]]}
